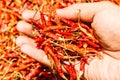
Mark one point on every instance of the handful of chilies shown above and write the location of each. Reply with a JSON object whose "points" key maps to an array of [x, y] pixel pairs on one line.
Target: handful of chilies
{"points": [[64, 41]]}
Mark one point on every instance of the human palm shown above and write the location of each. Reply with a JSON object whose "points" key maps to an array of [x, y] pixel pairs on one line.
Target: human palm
{"points": [[104, 18]]}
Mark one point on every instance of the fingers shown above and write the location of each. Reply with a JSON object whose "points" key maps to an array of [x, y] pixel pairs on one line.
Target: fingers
{"points": [[28, 46], [21, 40], [27, 14], [35, 53], [86, 11], [24, 27]]}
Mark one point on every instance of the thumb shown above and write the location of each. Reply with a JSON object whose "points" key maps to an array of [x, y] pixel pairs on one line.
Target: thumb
{"points": [[86, 11]]}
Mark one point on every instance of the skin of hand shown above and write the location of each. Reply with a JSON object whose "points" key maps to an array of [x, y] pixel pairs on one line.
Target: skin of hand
{"points": [[104, 18]]}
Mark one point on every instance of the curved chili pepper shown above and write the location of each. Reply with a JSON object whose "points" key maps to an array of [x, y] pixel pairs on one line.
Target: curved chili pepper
{"points": [[83, 61], [39, 41], [32, 74], [51, 35], [54, 28], [11, 55], [71, 71], [42, 18], [37, 24], [49, 50], [70, 23]]}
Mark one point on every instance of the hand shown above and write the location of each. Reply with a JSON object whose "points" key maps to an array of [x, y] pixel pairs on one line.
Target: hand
{"points": [[104, 18]]}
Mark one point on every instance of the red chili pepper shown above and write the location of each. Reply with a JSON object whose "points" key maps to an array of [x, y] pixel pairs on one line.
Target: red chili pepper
{"points": [[14, 64], [24, 73], [71, 71], [15, 30], [1, 22], [51, 35], [83, 62], [37, 24], [89, 42], [82, 65], [54, 28], [84, 26], [39, 41], [96, 0], [80, 44], [22, 67], [28, 61], [92, 43], [59, 56], [48, 20], [42, 18], [49, 50], [70, 23], [65, 33], [33, 74], [45, 73], [27, 5], [11, 55], [61, 6], [61, 51]]}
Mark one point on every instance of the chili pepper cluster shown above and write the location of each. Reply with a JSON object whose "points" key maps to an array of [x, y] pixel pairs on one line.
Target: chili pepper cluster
{"points": [[63, 41]]}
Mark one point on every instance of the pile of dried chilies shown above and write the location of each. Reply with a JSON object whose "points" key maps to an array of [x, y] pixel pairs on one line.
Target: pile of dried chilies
{"points": [[64, 41]]}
